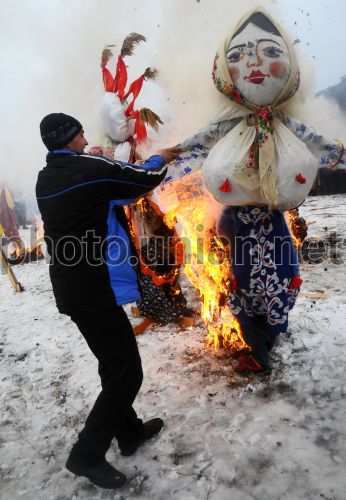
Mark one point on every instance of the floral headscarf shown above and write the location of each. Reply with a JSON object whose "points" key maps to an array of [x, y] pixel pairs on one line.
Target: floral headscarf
{"points": [[263, 116]]}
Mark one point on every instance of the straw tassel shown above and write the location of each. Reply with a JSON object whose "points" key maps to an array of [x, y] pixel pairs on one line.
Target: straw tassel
{"points": [[130, 42], [108, 80], [106, 55], [150, 74], [150, 118]]}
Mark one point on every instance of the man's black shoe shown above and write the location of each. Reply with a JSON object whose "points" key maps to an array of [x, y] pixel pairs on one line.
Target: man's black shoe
{"points": [[103, 474], [149, 429]]}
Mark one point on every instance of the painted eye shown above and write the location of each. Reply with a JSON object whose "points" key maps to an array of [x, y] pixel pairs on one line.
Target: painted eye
{"points": [[272, 51], [235, 56]]}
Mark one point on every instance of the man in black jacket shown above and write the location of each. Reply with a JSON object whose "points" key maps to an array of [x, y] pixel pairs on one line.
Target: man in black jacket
{"points": [[93, 274]]}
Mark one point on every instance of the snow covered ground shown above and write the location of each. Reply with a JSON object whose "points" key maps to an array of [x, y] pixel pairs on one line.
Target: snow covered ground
{"points": [[225, 437]]}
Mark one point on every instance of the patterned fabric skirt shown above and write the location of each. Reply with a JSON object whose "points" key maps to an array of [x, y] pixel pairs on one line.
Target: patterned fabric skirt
{"points": [[165, 303], [264, 264]]}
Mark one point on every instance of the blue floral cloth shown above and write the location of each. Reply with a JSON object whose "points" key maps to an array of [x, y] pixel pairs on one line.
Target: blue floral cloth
{"points": [[264, 261]]}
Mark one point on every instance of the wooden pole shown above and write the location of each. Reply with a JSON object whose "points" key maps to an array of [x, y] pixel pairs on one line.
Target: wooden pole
{"points": [[6, 266]]}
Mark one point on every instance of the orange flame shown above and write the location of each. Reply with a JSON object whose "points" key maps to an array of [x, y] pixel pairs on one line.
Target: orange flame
{"points": [[207, 267], [291, 220], [19, 252]]}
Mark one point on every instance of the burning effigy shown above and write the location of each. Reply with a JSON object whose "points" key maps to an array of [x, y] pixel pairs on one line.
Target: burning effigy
{"points": [[161, 253], [16, 250], [8, 218], [257, 161], [125, 128], [5, 266], [11, 245]]}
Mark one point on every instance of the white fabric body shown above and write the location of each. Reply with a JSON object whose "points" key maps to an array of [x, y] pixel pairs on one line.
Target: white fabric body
{"points": [[122, 151], [113, 120], [293, 158], [228, 159]]}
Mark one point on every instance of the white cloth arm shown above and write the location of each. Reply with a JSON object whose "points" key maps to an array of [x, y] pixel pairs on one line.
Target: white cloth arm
{"points": [[329, 154], [195, 149], [209, 135]]}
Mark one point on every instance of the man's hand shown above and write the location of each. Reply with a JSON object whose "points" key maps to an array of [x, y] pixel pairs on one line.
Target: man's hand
{"points": [[169, 154]]}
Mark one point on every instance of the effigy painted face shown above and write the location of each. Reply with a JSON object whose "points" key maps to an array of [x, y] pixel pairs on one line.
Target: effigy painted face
{"points": [[259, 64]]}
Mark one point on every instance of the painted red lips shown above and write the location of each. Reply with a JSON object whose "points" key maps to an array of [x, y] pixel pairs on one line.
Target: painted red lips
{"points": [[256, 77]]}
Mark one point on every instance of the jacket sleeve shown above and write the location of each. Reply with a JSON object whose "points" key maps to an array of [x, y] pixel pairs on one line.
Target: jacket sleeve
{"points": [[128, 181]]}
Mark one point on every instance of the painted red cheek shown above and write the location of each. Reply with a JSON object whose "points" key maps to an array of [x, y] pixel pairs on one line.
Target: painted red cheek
{"points": [[278, 69], [233, 72]]}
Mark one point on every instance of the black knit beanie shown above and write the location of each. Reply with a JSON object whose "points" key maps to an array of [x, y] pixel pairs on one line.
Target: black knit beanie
{"points": [[58, 130]]}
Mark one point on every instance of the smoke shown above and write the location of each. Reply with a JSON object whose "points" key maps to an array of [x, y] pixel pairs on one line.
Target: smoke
{"points": [[189, 39], [320, 113], [188, 43], [50, 62]]}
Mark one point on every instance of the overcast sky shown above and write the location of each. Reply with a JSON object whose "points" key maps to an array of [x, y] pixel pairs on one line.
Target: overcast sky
{"points": [[320, 25], [50, 50]]}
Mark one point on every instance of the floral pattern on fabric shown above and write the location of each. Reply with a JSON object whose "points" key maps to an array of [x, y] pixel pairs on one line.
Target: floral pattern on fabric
{"points": [[264, 271], [187, 162], [328, 154], [226, 88]]}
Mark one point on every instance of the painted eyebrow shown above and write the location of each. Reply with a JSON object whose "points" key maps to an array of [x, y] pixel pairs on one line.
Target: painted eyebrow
{"points": [[268, 40], [258, 41], [236, 47]]}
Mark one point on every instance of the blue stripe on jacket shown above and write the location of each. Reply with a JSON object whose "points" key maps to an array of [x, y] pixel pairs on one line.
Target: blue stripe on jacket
{"points": [[154, 161], [96, 181], [122, 275]]}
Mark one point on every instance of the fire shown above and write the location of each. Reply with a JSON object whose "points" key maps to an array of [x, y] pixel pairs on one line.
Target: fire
{"points": [[15, 252], [206, 263], [297, 226], [24, 254], [19, 252]]}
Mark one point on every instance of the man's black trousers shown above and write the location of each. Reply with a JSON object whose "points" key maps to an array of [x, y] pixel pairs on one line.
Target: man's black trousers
{"points": [[110, 336]]}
